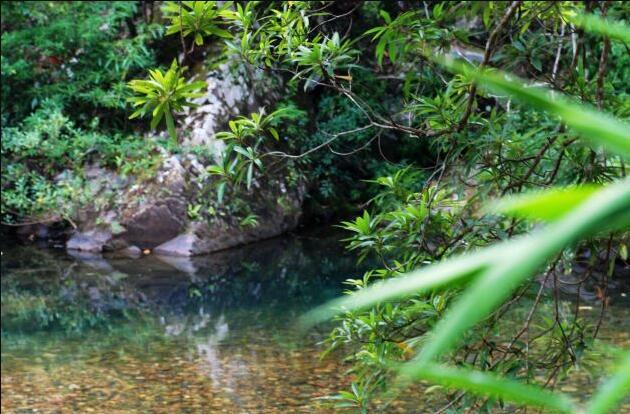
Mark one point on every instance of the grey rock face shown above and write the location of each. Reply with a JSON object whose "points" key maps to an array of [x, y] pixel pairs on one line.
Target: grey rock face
{"points": [[154, 213], [162, 214], [155, 223], [182, 245], [232, 91], [92, 241], [275, 218]]}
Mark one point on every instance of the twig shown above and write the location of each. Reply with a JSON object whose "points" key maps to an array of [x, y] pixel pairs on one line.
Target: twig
{"points": [[490, 44], [605, 290], [603, 60], [556, 62], [320, 146]]}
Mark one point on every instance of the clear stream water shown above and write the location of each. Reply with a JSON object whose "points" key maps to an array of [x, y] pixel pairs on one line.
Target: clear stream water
{"points": [[86, 333]]}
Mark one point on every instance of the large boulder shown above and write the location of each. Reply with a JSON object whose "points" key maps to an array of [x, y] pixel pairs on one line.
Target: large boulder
{"points": [[233, 89], [153, 213], [93, 241], [156, 211], [278, 210]]}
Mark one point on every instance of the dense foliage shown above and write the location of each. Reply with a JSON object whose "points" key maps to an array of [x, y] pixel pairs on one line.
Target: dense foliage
{"points": [[394, 110]]}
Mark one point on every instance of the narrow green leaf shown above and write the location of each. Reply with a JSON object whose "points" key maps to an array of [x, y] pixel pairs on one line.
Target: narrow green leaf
{"points": [[250, 175], [220, 32], [518, 260], [595, 24], [156, 119], [274, 133], [613, 390], [596, 126], [492, 385], [242, 151], [455, 270], [221, 192], [547, 205]]}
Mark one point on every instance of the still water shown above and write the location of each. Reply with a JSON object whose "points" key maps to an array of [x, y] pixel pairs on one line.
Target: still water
{"points": [[87, 333], [216, 334]]}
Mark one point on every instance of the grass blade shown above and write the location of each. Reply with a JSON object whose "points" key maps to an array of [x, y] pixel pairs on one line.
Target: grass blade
{"points": [[546, 205], [595, 24], [453, 271]]}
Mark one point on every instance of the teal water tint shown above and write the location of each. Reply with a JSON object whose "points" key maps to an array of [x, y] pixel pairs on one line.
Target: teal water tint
{"points": [[91, 333], [87, 332]]}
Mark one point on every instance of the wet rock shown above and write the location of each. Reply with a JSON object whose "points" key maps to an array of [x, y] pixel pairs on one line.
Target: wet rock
{"points": [[89, 241], [183, 264], [92, 260], [182, 245], [33, 231], [155, 223], [163, 215], [132, 252], [277, 215]]}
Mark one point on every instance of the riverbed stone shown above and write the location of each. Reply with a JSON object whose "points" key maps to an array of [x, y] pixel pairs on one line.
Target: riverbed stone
{"points": [[132, 252], [182, 245], [89, 241]]}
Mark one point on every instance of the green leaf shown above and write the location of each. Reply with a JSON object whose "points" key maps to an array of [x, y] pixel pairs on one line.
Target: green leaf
{"points": [[596, 126], [385, 16], [156, 119], [613, 390], [274, 133], [519, 259], [494, 386], [220, 32], [242, 151], [250, 174], [595, 24], [452, 271], [221, 192], [215, 169], [546, 205]]}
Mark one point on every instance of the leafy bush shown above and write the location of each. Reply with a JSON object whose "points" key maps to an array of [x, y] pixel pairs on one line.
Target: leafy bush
{"points": [[163, 93], [492, 274], [43, 162], [76, 53]]}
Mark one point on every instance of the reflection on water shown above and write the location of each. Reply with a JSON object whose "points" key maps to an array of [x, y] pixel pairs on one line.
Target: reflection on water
{"points": [[86, 333]]}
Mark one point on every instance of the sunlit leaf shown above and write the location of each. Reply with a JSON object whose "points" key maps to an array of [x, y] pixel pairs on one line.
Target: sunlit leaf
{"points": [[605, 27], [597, 127], [616, 388], [487, 384], [547, 205]]}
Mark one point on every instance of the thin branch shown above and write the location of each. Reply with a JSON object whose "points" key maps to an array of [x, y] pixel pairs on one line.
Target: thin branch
{"points": [[320, 146], [601, 71], [490, 44]]}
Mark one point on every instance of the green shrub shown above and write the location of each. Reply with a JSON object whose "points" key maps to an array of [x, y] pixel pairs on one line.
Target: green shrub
{"points": [[76, 53], [48, 144]]}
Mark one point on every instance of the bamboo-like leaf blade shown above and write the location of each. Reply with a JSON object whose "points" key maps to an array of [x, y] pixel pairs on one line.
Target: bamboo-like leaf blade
{"points": [[613, 390], [597, 127], [547, 205], [487, 384]]}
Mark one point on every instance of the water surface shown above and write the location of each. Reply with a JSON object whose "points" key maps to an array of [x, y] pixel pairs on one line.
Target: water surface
{"points": [[91, 333], [161, 334]]}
